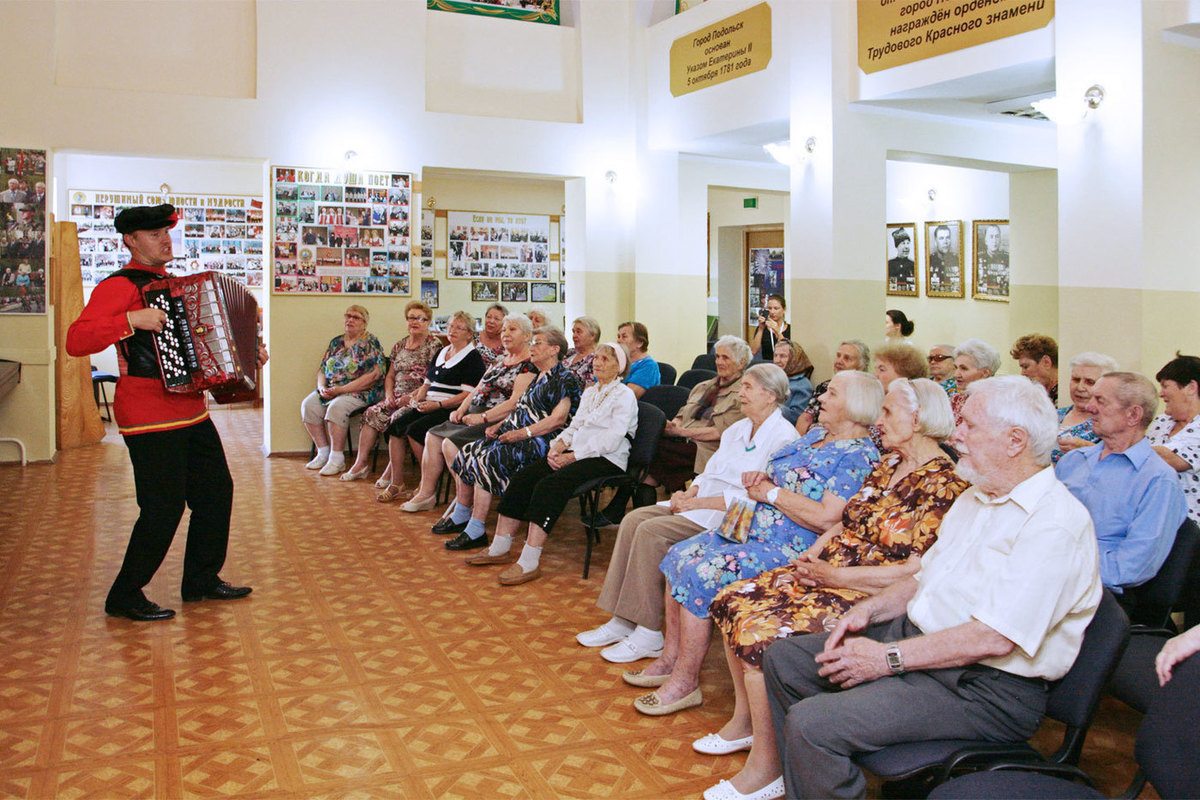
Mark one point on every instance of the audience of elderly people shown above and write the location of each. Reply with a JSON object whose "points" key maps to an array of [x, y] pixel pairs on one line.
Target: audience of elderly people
{"points": [[974, 360], [1175, 434], [483, 468], [450, 380], [690, 439], [964, 648], [496, 395], [820, 473], [348, 379], [851, 354], [1075, 421], [407, 365], [1131, 493], [633, 587], [594, 445], [643, 370], [1037, 356], [585, 334], [791, 358], [884, 529]]}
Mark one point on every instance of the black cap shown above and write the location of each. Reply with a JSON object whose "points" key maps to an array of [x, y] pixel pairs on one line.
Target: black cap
{"points": [[900, 235], [146, 218]]}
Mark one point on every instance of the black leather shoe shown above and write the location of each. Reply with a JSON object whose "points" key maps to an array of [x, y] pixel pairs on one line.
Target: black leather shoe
{"points": [[464, 542], [144, 611], [218, 591], [598, 520], [444, 525]]}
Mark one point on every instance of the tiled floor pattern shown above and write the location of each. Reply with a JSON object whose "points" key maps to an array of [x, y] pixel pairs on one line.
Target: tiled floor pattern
{"points": [[368, 663]]}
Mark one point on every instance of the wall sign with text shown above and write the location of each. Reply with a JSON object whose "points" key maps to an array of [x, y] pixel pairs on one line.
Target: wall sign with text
{"points": [[218, 232], [342, 232], [735, 46], [895, 32]]}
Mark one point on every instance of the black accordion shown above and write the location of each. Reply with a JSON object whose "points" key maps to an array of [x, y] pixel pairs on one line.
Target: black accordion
{"points": [[210, 339]]}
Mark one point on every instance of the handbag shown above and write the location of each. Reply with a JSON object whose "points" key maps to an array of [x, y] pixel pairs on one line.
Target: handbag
{"points": [[735, 525]]}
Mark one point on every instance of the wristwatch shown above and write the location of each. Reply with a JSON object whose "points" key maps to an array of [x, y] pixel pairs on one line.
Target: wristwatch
{"points": [[773, 495], [895, 661]]}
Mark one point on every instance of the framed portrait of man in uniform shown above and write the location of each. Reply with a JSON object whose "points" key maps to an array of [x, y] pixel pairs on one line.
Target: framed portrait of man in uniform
{"points": [[944, 259], [991, 259], [902, 259]]}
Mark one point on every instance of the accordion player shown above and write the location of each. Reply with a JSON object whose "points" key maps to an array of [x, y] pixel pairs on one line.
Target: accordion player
{"points": [[210, 340]]}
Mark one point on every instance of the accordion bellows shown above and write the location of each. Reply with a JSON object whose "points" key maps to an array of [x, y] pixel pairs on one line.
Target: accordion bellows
{"points": [[210, 341]]}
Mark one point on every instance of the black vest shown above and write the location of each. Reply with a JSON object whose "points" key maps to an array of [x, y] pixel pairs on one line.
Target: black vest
{"points": [[141, 359]]}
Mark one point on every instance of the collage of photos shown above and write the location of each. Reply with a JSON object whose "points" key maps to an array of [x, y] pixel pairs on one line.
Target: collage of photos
{"points": [[22, 231], [427, 225], [514, 248], [947, 259], [342, 232], [218, 233]]}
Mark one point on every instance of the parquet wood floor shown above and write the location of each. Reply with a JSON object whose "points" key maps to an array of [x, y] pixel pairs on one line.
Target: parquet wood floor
{"points": [[368, 663]]}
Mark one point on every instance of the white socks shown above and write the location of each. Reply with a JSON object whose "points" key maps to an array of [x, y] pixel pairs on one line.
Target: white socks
{"points": [[500, 545], [530, 556], [646, 639]]}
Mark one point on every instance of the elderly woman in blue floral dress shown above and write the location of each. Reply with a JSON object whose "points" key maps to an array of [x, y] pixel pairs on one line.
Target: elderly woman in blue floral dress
{"points": [[801, 495], [483, 467], [347, 380], [1074, 422]]}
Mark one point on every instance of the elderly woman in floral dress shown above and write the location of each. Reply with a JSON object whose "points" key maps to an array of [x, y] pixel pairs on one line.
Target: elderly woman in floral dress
{"points": [[347, 380], [1074, 422], [885, 528], [410, 359]]}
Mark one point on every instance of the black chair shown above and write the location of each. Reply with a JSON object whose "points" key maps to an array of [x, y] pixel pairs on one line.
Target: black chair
{"points": [[1072, 701], [706, 361], [691, 377], [641, 452], [98, 380], [1133, 681], [669, 399], [666, 373], [1167, 752]]}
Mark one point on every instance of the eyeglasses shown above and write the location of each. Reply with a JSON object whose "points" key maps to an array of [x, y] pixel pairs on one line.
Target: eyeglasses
{"points": [[939, 359], [416, 319], [355, 316]]}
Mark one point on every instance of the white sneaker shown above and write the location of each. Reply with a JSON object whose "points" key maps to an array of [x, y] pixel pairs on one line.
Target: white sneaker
{"points": [[610, 632], [317, 462], [627, 650], [332, 468]]}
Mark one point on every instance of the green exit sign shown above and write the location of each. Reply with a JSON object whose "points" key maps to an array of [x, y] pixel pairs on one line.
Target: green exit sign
{"points": [[749, 202]]}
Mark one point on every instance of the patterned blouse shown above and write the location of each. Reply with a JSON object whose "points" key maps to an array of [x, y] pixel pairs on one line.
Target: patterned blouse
{"points": [[1080, 430], [496, 385], [490, 354], [409, 366], [814, 404], [1186, 445], [341, 365], [581, 365]]}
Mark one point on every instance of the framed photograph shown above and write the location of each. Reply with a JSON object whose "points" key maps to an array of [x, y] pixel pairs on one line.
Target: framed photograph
{"points": [[991, 259], [514, 292], [544, 292], [562, 292], [429, 293], [944, 259], [485, 291], [902, 259]]}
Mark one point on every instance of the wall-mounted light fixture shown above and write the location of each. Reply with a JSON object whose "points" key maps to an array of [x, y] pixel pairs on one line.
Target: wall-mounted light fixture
{"points": [[164, 189], [430, 202], [932, 195], [1061, 111], [810, 144], [611, 176]]}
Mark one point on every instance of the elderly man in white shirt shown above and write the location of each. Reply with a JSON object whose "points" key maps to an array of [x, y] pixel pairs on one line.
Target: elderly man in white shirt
{"points": [[633, 587], [964, 648]]}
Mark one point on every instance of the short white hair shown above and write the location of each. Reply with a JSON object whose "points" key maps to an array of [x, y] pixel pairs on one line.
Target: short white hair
{"points": [[864, 395], [737, 347], [864, 353], [521, 321], [1017, 402], [982, 353], [935, 417], [1089, 358], [771, 378]]}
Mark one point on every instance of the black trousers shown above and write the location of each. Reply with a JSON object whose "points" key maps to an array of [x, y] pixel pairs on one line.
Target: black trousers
{"points": [[415, 424], [538, 494], [172, 469]]}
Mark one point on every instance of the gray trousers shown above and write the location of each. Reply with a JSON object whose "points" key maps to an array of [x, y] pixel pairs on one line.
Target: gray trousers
{"points": [[818, 727]]}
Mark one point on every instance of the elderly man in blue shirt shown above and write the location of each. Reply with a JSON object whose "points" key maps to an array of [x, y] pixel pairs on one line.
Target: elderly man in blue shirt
{"points": [[1130, 491]]}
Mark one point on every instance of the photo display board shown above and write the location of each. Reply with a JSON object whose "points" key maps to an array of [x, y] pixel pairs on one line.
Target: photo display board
{"points": [[342, 232], [483, 244], [218, 232], [22, 231]]}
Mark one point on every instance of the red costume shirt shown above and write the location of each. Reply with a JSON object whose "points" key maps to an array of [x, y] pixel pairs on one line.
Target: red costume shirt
{"points": [[142, 405]]}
